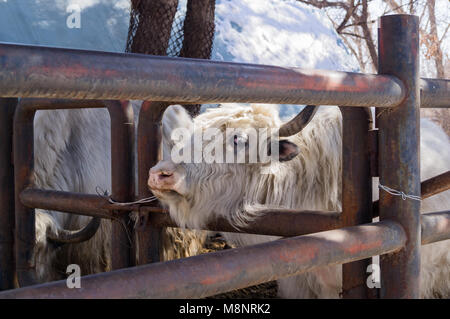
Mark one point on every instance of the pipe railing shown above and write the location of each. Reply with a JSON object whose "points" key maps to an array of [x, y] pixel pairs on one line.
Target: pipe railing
{"points": [[47, 72], [44, 72], [273, 222], [227, 270]]}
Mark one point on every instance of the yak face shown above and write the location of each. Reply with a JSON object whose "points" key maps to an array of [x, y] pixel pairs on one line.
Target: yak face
{"points": [[208, 163]]}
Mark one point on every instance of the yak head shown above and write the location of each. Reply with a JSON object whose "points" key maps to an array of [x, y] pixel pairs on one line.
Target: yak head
{"points": [[211, 163]]}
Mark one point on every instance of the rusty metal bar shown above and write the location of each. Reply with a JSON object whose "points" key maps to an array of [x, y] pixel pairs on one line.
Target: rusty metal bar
{"points": [[148, 237], [25, 232], [33, 71], [435, 185], [356, 191], [434, 93], [122, 180], [435, 227], [282, 222], [7, 108], [399, 154], [36, 104], [74, 203], [227, 270]]}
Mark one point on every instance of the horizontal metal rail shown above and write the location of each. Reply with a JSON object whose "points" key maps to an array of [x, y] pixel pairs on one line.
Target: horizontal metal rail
{"points": [[434, 93], [435, 185], [45, 72], [74, 203], [280, 222], [227, 270], [435, 227], [275, 222]]}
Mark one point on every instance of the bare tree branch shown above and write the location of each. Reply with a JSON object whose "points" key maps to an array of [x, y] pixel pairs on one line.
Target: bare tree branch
{"points": [[444, 33], [395, 7], [434, 45], [348, 15], [367, 34], [325, 4], [353, 35]]}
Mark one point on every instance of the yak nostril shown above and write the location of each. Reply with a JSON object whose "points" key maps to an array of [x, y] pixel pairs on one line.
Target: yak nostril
{"points": [[161, 174], [165, 174]]}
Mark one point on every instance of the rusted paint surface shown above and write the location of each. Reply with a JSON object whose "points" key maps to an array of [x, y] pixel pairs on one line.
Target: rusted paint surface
{"points": [[281, 222], [435, 227], [356, 191], [7, 108], [434, 93], [435, 185], [32, 71], [227, 270], [122, 180], [75, 203], [399, 154], [148, 237], [24, 216]]}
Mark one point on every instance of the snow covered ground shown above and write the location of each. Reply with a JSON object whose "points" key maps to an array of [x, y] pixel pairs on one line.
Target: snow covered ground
{"points": [[275, 32]]}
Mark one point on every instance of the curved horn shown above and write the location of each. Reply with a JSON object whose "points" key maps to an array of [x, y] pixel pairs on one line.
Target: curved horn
{"points": [[299, 122], [64, 236]]}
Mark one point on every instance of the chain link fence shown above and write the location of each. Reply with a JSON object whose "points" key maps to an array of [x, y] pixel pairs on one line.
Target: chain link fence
{"points": [[157, 27]]}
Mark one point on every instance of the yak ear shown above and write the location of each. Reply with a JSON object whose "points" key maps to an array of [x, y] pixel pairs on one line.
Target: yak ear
{"points": [[287, 150], [175, 117]]}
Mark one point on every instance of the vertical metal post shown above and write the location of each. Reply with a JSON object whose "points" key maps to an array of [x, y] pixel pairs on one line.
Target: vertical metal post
{"points": [[356, 191], [122, 179], [25, 232], [7, 108], [399, 154], [149, 138]]}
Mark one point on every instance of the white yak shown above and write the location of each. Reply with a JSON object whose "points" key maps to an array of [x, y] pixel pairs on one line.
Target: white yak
{"points": [[72, 153], [307, 177]]}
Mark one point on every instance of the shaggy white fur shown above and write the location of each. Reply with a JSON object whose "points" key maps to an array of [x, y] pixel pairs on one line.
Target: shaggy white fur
{"points": [[310, 181]]}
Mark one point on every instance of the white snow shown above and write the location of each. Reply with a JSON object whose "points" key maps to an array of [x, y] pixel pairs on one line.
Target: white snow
{"points": [[274, 32]]}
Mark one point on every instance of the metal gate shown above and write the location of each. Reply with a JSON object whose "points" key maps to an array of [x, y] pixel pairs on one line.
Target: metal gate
{"points": [[86, 79]]}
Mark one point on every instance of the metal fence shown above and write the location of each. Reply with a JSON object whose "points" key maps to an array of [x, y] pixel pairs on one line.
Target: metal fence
{"points": [[85, 79]]}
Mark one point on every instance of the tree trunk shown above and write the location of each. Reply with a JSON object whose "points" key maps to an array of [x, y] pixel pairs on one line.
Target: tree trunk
{"points": [[198, 36], [151, 26]]}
